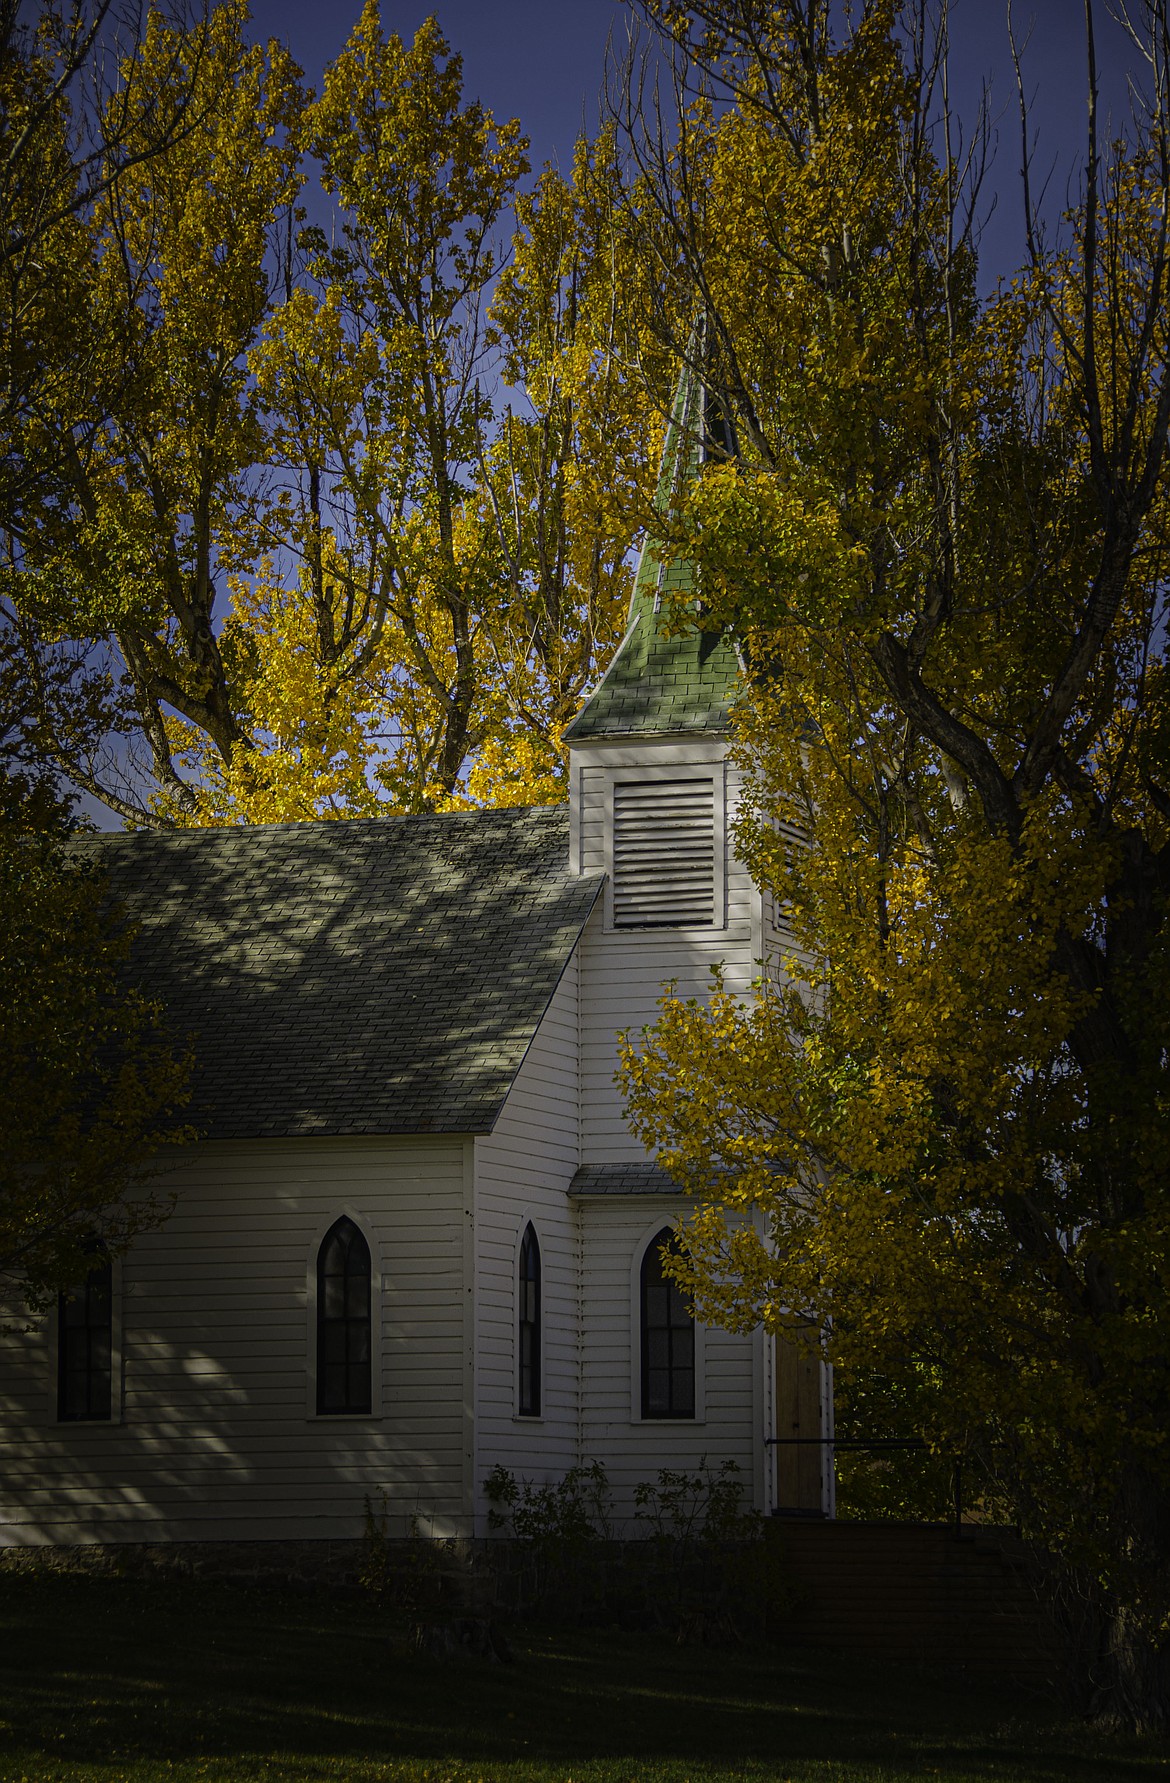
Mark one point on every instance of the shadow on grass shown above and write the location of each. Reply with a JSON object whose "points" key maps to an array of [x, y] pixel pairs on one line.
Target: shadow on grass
{"points": [[112, 1677]]}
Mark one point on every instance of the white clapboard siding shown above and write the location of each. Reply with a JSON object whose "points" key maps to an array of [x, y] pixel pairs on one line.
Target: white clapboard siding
{"points": [[215, 1439], [779, 944], [614, 1231], [522, 1171], [624, 970]]}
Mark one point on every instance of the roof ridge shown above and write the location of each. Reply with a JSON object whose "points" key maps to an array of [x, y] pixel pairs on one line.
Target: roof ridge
{"points": [[332, 825]]}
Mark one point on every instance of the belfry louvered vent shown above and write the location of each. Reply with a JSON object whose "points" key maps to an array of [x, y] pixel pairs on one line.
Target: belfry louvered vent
{"points": [[663, 854]]}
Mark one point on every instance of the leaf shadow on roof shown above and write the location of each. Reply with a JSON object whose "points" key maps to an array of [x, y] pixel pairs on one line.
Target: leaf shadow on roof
{"points": [[379, 977]]}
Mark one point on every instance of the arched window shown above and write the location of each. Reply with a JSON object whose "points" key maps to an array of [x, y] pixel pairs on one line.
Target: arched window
{"points": [[668, 1338], [528, 1346], [85, 1348], [343, 1321]]}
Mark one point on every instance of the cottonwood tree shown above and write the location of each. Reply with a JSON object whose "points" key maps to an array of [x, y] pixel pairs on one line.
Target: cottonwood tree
{"points": [[72, 122], [94, 1082], [345, 528], [567, 483], [944, 548], [458, 571], [154, 431]]}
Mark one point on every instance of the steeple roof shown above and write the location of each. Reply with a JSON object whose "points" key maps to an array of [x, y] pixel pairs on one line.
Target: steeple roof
{"points": [[658, 684]]}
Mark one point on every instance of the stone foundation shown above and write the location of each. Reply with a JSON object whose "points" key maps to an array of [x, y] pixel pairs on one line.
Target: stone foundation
{"points": [[636, 1584], [328, 1564]]}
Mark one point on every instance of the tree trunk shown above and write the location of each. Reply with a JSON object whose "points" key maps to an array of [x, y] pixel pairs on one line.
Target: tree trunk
{"points": [[1135, 1692], [1134, 1678]]}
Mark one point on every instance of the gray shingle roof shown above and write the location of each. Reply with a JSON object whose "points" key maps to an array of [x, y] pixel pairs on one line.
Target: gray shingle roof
{"points": [[381, 976], [623, 1179]]}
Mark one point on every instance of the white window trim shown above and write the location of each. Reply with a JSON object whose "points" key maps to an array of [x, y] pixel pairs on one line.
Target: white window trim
{"points": [[527, 1219], [117, 1380], [666, 1217], [312, 1415], [712, 769]]}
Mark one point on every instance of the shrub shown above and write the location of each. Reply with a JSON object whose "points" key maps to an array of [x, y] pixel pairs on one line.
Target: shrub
{"points": [[710, 1560], [559, 1525], [405, 1574]]}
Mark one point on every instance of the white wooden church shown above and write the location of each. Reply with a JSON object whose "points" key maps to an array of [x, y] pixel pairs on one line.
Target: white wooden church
{"points": [[418, 1238]]}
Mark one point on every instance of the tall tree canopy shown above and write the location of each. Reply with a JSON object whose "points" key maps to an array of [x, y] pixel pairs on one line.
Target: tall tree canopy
{"points": [[943, 546], [94, 1082], [73, 119], [322, 520]]}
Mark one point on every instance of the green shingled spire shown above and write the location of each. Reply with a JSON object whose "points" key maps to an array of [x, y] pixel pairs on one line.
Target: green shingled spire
{"points": [[656, 684]]}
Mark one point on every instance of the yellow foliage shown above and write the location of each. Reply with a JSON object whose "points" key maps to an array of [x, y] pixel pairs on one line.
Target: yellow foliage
{"points": [[333, 565], [942, 546]]}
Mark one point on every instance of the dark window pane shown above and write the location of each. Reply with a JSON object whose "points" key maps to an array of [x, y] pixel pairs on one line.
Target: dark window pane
{"points": [[332, 1383], [657, 1300], [658, 1391], [528, 1317]]}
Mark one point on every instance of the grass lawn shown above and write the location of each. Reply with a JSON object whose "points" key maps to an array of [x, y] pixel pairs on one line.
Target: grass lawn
{"points": [[111, 1679]]}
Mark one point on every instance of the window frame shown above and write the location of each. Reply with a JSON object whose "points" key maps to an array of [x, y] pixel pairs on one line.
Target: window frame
{"points": [[663, 1222], [312, 1415], [527, 1225]]}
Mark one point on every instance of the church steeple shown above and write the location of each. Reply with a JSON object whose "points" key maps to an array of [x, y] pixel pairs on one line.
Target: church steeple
{"points": [[658, 684]]}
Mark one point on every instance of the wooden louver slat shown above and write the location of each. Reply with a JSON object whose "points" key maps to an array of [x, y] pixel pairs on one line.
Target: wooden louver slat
{"points": [[663, 854]]}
